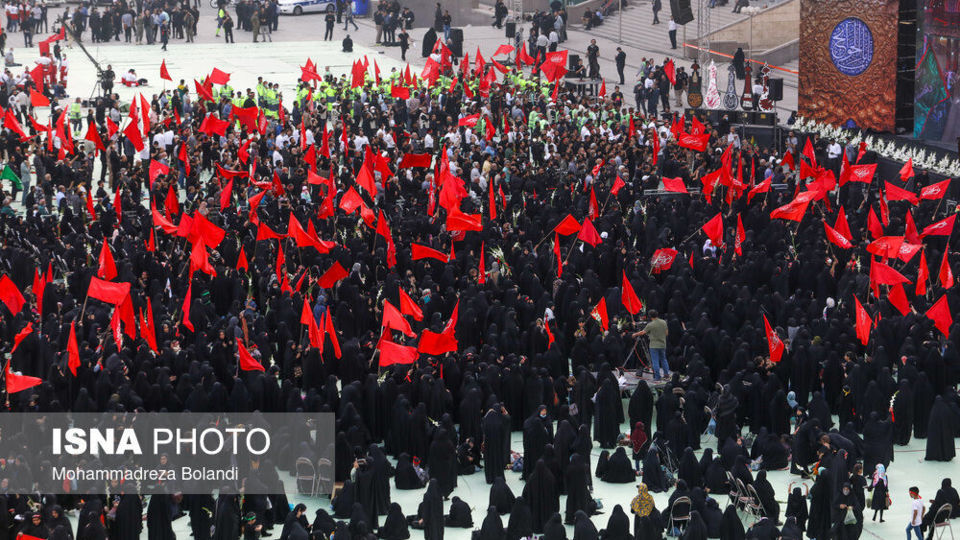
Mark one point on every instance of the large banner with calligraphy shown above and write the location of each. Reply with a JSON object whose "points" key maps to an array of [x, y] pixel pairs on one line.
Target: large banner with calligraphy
{"points": [[848, 62], [937, 91]]}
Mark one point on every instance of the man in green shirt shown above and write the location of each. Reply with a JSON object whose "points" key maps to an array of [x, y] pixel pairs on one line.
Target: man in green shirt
{"points": [[656, 330]]}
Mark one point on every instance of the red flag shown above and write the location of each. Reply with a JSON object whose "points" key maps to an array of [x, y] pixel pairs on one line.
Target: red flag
{"points": [[774, 343], [393, 319], [599, 313], [873, 224], [670, 71], [415, 160], [556, 253], [714, 229], [482, 268], [936, 191], [409, 307], [335, 273], [569, 225], [458, 221], [629, 297], [73, 350], [618, 184], [862, 173], [219, 77], [392, 353], [694, 142], [593, 205], [212, 125], [418, 252], [108, 291], [332, 333], [762, 187], [662, 259], [895, 193], [90, 209], [164, 74], [674, 185], [793, 210], [944, 227], [132, 132], [863, 322], [898, 298], [603, 89], [923, 275], [108, 268], [186, 307], [242, 261], [38, 100], [882, 274], [939, 313], [247, 361], [836, 238], [809, 153], [156, 169], [225, 194], [741, 236], [550, 338], [946, 273], [588, 233], [17, 382], [21, 335], [789, 161], [907, 170]]}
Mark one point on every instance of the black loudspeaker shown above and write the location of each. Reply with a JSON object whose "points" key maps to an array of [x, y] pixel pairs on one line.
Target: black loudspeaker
{"points": [[456, 38], [743, 117], [572, 61], [511, 29], [765, 118], [681, 11], [775, 89]]}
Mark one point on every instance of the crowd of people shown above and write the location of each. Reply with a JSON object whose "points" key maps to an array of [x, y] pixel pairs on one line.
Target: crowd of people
{"points": [[523, 230]]}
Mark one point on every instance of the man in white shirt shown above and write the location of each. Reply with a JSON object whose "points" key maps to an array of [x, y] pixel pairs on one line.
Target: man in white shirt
{"points": [[916, 513], [733, 138]]}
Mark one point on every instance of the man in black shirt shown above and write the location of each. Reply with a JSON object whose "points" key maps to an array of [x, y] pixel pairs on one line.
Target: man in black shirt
{"points": [[330, 19], [621, 60], [593, 55]]}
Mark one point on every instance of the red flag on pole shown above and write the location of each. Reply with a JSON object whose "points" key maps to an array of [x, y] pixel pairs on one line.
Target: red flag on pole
{"points": [[17, 382], [247, 362], [774, 343], [599, 313], [714, 229], [863, 322], [73, 350], [939, 313], [629, 297], [946, 273], [409, 307], [164, 74]]}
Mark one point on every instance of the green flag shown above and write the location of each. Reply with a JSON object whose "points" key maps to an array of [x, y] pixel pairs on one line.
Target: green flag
{"points": [[8, 174]]}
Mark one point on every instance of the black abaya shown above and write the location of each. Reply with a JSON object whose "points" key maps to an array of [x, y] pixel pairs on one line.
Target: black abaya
{"points": [[542, 494]]}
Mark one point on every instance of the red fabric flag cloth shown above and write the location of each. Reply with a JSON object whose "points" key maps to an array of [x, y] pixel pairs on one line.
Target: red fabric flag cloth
{"points": [[898, 298], [618, 184], [17, 383], [674, 185], [694, 142], [409, 307], [714, 229], [247, 361], [629, 297], [945, 275], [941, 228], [774, 343], [365, 179], [219, 77], [939, 313], [90, 208], [108, 268], [213, 126], [836, 238], [350, 200], [203, 228], [156, 169], [670, 70], [874, 225], [762, 187], [557, 254], [399, 92], [907, 251], [886, 246], [907, 170], [73, 350], [160, 221], [895, 193], [418, 252], [662, 259], [923, 275], [792, 211], [936, 191], [392, 353], [599, 313], [740, 237], [93, 136], [567, 226], [436, 344], [863, 322], [225, 195], [882, 274], [862, 173], [331, 332], [482, 266], [588, 233], [242, 260], [503, 49], [841, 224], [603, 89], [108, 291], [458, 221], [38, 100], [393, 319], [187, 300], [789, 161], [21, 335], [164, 74], [415, 160], [334, 274], [10, 122], [808, 151], [469, 121]]}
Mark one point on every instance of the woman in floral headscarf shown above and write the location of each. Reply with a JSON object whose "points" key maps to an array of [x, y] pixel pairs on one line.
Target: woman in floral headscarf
{"points": [[642, 504], [880, 488]]}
